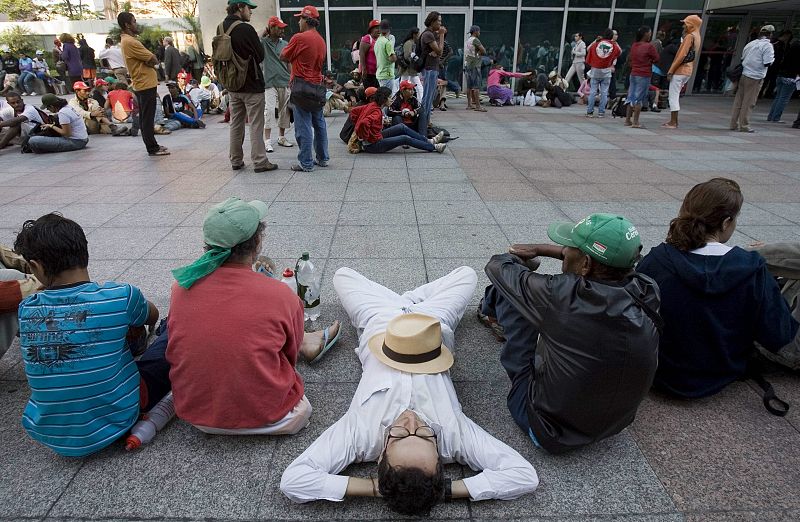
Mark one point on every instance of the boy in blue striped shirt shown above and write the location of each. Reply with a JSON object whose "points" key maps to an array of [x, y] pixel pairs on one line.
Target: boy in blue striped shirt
{"points": [[86, 388]]}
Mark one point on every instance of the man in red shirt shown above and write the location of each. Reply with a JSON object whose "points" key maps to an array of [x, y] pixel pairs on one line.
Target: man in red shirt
{"points": [[234, 335], [306, 52], [601, 56]]}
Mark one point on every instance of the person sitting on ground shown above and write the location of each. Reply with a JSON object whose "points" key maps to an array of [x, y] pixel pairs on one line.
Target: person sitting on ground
{"points": [[26, 76], [653, 95], [717, 300], [214, 95], [16, 283], [405, 107], [583, 92], [405, 414], [94, 116], [334, 101], [179, 107], [100, 94], [555, 92], [25, 119], [86, 389], [120, 103], [10, 84], [352, 86], [229, 324], [182, 82], [581, 347], [501, 94], [368, 120], [71, 128], [162, 124], [198, 96], [40, 67]]}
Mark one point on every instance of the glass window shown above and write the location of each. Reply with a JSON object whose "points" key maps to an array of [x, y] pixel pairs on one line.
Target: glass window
{"points": [[456, 36], [539, 36], [299, 4], [589, 24], [692, 5], [542, 3], [719, 46], [626, 25], [637, 4], [289, 18], [401, 24], [496, 3], [454, 3], [346, 28], [399, 3], [670, 24], [349, 3], [590, 3], [497, 36]]}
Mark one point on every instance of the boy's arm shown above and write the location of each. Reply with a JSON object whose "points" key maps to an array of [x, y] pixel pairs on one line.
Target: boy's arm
{"points": [[152, 316]]}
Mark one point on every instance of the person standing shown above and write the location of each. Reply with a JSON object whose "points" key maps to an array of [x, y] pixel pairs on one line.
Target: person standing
{"points": [[785, 81], [682, 66], [72, 58], [757, 56], [385, 58], [408, 72], [306, 54], [87, 60], [247, 102], [578, 60], [196, 57], [601, 56], [172, 59], [642, 56], [116, 63], [367, 61], [473, 51], [141, 64], [780, 46], [276, 79], [432, 44]]}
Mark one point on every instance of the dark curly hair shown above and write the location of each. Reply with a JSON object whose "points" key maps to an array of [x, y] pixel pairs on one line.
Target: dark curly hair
{"points": [[704, 209], [410, 491], [54, 241]]}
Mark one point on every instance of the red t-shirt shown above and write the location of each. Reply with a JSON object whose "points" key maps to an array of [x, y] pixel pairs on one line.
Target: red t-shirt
{"points": [[643, 56], [233, 343], [306, 52], [602, 54], [123, 96]]}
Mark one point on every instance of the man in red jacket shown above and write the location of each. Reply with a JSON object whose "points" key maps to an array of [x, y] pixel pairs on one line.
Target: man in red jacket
{"points": [[601, 56]]}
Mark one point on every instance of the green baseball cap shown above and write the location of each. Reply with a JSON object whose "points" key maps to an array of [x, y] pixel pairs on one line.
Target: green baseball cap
{"points": [[232, 222], [245, 2], [609, 239], [48, 100]]}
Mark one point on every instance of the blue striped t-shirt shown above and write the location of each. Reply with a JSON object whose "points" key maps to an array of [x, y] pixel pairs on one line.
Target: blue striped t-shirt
{"points": [[83, 379]]}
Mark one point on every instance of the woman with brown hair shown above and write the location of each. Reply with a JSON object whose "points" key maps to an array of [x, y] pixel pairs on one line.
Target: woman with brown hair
{"points": [[716, 300]]}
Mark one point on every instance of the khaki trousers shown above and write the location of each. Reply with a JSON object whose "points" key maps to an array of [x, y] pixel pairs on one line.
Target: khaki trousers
{"points": [[292, 423], [247, 106], [745, 101]]}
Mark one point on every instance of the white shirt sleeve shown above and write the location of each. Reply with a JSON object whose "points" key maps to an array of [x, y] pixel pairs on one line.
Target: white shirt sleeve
{"points": [[506, 474], [313, 475]]}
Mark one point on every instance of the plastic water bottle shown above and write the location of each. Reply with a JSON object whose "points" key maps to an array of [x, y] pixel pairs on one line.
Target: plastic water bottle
{"points": [[144, 431], [309, 282], [288, 279]]}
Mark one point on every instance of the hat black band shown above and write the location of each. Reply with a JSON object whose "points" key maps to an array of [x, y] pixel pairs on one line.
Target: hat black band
{"points": [[412, 359]]}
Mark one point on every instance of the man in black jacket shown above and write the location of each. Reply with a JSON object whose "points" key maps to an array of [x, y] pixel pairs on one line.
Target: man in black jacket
{"points": [[247, 102], [581, 347]]}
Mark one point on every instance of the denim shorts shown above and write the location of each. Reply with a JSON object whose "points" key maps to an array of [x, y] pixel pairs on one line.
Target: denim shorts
{"points": [[637, 92], [473, 78]]}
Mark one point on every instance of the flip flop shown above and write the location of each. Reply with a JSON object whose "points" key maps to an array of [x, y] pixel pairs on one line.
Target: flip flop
{"points": [[328, 344]]}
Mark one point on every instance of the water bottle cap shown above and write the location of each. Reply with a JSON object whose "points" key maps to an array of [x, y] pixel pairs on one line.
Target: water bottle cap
{"points": [[288, 273], [305, 256], [132, 443]]}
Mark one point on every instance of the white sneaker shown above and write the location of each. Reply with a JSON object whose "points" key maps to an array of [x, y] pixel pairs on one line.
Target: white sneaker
{"points": [[269, 146], [440, 147], [283, 142], [438, 138]]}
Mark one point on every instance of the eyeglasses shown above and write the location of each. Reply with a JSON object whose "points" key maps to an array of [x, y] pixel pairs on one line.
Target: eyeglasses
{"points": [[400, 432]]}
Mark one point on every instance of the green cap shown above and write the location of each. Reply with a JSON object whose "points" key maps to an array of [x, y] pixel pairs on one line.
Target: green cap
{"points": [[609, 239], [226, 225], [48, 100], [111, 79], [245, 2]]}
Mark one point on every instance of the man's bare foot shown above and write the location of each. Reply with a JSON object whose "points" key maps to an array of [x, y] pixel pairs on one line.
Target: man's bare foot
{"points": [[312, 341]]}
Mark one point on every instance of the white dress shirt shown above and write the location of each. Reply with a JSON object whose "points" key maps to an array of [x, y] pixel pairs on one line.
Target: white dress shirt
{"points": [[384, 393], [114, 56], [756, 56]]}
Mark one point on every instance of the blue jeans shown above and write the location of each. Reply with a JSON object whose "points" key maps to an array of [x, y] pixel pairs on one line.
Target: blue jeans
{"points": [[303, 123], [41, 144], [429, 77], [396, 136], [637, 92], [784, 88], [184, 118], [593, 84], [517, 355], [24, 81], [154, 368]]}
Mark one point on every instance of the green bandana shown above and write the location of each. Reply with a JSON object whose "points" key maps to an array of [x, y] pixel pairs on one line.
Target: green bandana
{"points": [[188, 275]]}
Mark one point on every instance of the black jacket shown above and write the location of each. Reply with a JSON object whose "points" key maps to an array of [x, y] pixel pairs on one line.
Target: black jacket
{"points": [[247, 45], [87, 57], [714, 309], [790, 64], [172, 62], [596, 355]]}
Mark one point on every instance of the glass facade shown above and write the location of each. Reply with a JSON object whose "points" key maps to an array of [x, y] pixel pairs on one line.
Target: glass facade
{"points": [[522, 35]]}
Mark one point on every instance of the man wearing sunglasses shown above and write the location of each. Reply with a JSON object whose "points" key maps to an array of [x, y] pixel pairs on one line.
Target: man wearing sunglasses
{"points": [[405, 414]]}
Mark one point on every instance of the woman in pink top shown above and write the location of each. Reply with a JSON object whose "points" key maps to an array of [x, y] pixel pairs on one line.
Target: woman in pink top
{"points": [[498, 93], [368, 63]]}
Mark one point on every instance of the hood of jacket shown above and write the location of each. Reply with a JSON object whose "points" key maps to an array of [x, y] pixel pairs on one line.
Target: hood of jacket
{"points": [[708, 274], [693, 23]]}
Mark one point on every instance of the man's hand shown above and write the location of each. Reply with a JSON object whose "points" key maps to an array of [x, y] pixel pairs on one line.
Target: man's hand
{"points": [[669, 77], [523, 251], [526, 252], [97, 113], [443, 30]]}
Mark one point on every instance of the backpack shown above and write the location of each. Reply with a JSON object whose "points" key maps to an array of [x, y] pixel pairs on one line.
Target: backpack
{"points": [[402, 61], [619, 109], [783, 262], [229, 67], [186, 61]]}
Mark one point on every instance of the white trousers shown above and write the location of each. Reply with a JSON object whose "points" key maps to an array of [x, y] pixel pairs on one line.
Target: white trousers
{"points": [[575, 68], [371, 306], [417, 84], [675, 86]]}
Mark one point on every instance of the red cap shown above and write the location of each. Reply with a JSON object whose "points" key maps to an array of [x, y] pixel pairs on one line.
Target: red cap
{"points": [[288, 273], [274, 21], [374, 23], [100, 81], [370, 91], [182, 74], [405, 84], [309, 11], [80, 86]]}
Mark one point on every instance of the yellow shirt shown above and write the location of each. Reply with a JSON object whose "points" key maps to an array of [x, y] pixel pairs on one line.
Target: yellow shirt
{"points": [[136, 56]]}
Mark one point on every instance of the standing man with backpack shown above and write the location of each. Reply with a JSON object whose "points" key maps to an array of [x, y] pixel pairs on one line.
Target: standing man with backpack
{"points": [[141, 65], [238, 54], [306, 54]]}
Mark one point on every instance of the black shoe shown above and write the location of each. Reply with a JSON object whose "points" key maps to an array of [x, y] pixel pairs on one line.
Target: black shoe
{"points": [[237, 167], [266, 167], [654, 109], [201, 124]]}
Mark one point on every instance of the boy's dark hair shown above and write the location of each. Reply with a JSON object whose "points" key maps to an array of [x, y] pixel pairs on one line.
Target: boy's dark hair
{"points": [[123, 19], [383, 94], [643, 30], [608, 34], [409, 491], [604, 272], [432, 17], [56, 242], [233, 8]]}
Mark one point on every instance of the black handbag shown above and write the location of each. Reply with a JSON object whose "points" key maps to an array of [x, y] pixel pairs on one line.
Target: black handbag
{"points": [[690, 56], [306, 95]]}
